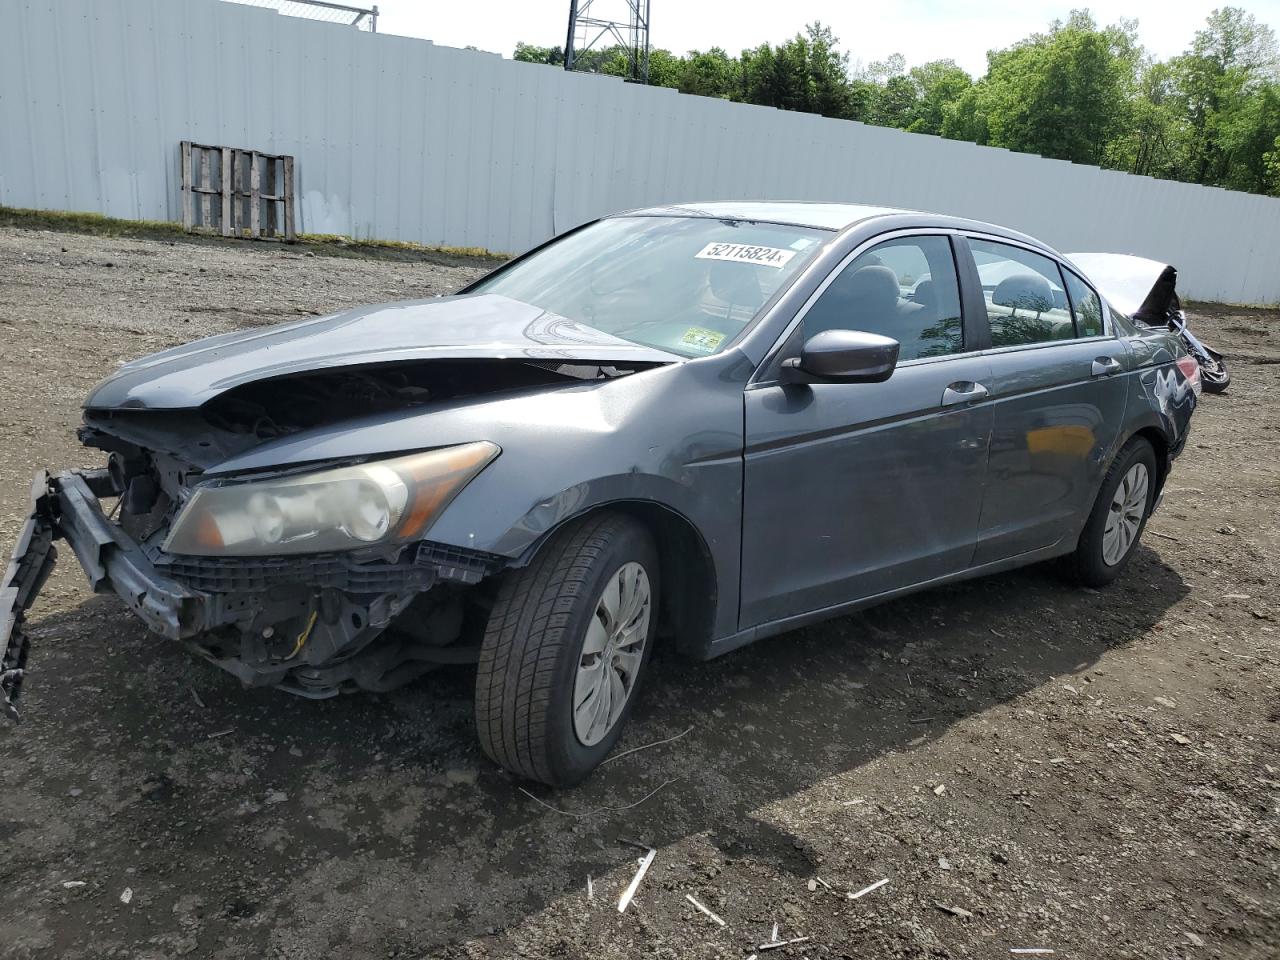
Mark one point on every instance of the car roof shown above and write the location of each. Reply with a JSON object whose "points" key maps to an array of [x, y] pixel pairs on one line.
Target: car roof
{"points": [[823, 215]]}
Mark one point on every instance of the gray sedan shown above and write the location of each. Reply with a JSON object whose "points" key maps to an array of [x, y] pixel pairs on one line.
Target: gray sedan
{"points": [[695, 425]]}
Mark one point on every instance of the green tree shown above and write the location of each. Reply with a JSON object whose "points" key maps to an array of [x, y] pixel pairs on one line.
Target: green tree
{"points": [[528, 53], [1062, 94], [712, 73], [1230, 63], [809, 73], [939, 85]]}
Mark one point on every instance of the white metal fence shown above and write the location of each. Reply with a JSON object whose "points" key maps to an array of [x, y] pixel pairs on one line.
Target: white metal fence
{"points": [[400, 139]]}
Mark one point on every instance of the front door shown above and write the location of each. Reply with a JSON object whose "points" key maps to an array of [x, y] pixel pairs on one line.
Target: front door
{"points": [[852, 490]]}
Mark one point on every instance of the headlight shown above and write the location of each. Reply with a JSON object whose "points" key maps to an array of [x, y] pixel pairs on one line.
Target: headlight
{"points": [[385, 501]]}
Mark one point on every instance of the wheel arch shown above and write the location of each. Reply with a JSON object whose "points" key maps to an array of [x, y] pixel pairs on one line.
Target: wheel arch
{"points": [[1159, 440], [688, 589]]}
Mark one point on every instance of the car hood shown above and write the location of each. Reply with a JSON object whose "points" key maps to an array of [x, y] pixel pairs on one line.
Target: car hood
{"points": [[1125, 281], [473, 326]]}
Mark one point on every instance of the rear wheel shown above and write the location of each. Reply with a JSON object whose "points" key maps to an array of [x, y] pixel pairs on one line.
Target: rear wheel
{"points": [[1119, 515], [565, 650]]}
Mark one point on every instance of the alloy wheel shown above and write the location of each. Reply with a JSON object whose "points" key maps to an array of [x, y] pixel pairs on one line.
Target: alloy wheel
{"points": [[1125, 515], [612, 653]]}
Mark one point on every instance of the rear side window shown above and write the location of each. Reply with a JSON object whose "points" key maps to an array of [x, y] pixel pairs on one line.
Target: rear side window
{"points": [[905, 289], [1085, 305], [1025, 298]]}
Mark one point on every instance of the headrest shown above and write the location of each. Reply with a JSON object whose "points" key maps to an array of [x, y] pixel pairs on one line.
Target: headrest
{"points": [[873, 289], [1029, 291], [925, 294]]}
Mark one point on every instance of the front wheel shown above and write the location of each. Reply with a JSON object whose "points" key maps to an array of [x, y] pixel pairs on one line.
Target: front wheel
{"points": [[565, 649], [1119, 515]]}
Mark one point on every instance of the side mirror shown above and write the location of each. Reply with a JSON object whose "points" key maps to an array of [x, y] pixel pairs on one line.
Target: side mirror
{"points": [[843, 356]]}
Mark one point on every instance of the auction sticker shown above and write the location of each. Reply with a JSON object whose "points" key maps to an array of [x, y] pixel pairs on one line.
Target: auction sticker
{"points": [[702, 339], [746, 253]]}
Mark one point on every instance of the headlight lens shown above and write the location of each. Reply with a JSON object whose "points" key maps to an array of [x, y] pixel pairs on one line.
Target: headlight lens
{"points": [[385, 501]]}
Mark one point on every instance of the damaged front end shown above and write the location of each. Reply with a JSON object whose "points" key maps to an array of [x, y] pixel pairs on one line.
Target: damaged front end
{"points": [[269, 495], [306, 623]]}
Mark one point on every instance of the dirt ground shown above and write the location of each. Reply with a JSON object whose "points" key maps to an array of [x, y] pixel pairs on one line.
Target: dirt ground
{"points": [[1029, 765]]}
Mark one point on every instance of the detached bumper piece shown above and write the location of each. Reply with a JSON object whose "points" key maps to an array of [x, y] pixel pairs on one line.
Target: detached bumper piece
{"points": [[33, 558], [66, 507]]}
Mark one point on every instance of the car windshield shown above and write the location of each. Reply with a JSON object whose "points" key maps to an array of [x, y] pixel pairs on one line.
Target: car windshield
{"points": [[687, 285]]}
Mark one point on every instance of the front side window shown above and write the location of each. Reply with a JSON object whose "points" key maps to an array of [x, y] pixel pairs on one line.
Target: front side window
{"points": [[905, 289], [687, 285], [1085, 305], [1024, 293]]}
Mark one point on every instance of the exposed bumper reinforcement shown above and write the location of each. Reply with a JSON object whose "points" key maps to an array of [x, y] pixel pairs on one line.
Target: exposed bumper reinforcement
{"points": [[66, 507], [29, 567]]}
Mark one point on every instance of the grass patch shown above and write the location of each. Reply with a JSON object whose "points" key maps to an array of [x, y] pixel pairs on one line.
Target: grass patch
{"points": [[327, 244]]}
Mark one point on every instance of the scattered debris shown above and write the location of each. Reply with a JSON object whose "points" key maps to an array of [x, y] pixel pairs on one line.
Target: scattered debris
{"points": [[221, 733], [72, 884], [781, 943], [1179, 738], [690, 898], [940, 789], [828, 887], [1163, 536], [127, 895], [854, 802], [1165, 702], [1030, 950], [1057, 759], [591, 891], [944, 863], [74, 792], [656, 743], [813, 885], [865, 890], [592, 813], [1194, 939], [1235, 596], [960, 912], [921, 720], [196, 697], [625, 900], [277, 796]]}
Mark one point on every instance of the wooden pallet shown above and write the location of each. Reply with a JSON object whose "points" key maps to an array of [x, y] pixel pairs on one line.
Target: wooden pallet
{"points": [[253, 190]]}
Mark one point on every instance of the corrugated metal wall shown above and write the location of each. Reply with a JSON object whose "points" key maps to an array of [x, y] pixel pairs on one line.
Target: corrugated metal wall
{"points": [[401, 139]]}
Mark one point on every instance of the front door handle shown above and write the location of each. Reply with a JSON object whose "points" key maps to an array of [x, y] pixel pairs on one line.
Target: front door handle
{"points": [[963, 391], [1105, 366]]}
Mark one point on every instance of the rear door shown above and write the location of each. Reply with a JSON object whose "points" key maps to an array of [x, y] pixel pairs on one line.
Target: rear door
{"points": [[1058, 385], [856, 489]]}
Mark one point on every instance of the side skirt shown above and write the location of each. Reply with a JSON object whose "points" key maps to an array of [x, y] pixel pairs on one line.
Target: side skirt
{"points": [[732, 642]]}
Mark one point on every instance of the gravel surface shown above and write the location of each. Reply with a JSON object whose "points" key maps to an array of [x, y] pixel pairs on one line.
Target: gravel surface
{"points": [[1028, 764]]}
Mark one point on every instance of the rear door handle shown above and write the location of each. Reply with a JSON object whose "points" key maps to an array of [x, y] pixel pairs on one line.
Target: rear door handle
{"points": [[1105, 366], [963, 391]]}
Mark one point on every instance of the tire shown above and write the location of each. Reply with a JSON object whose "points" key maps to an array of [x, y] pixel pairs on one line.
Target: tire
{"points": [[1101, 556], [534, 643], [1214, 376]]}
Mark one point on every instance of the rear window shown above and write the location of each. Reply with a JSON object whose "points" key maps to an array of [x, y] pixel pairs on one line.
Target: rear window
{"points": [[1024, 293], [687, 285], [1085, 306]]}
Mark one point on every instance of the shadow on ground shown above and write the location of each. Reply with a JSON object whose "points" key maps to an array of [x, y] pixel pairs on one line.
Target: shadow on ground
{"points": [[261, 814]]}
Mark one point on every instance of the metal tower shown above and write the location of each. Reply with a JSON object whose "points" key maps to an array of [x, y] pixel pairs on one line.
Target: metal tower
{"points": [[587, 30]]}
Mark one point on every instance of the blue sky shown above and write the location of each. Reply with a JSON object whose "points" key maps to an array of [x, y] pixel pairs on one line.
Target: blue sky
{"points": [[921, 30]]}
